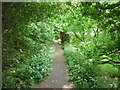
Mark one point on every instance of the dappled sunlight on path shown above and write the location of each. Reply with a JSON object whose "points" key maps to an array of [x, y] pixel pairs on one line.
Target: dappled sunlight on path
{"points": [[58, 77]]}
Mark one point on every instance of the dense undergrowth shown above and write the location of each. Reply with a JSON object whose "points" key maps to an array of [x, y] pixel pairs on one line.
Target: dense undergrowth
{"points": [[88, 31], [31, 70], [29, 57], [91, 63], [27, 44]]}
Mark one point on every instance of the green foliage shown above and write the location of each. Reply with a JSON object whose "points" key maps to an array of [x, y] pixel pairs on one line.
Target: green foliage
{"points": [[32, 70], [94, 46], [27, 50], [85, 74], [81, 72], [29, 29], [69, 50], [108, 69]]}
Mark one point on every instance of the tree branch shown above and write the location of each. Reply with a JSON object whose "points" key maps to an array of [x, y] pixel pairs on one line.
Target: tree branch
{"points": [[77, 36]]}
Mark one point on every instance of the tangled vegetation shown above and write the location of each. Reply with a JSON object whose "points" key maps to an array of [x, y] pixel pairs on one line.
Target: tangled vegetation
{"points": [[87, 31], [27, 46], [93, 55]]}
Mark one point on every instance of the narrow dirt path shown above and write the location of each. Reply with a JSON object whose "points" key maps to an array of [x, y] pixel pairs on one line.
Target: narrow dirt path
{"points": [[59, 76]]}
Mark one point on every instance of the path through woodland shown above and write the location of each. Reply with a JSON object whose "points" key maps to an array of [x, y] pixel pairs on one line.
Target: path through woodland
{"points": [[58, 77]]}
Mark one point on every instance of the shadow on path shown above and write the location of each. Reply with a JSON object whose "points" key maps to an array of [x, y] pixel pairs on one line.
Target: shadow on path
{"points": [[58, 77]]}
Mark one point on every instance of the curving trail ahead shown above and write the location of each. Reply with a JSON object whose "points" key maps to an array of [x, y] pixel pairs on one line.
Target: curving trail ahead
{"points": [[58, 77]]}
